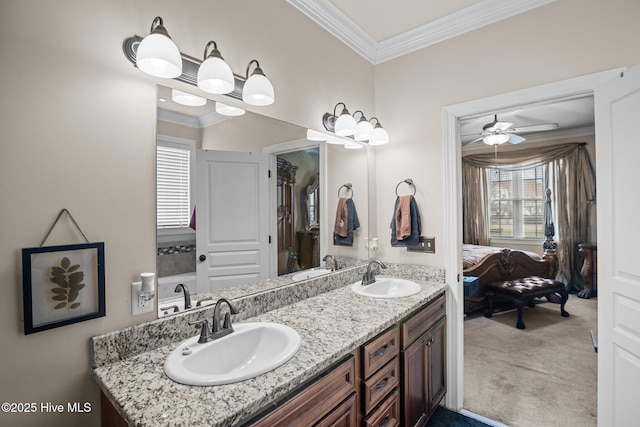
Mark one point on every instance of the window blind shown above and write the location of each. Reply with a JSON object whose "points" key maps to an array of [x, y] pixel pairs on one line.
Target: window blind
{"points": [[173, 187]]}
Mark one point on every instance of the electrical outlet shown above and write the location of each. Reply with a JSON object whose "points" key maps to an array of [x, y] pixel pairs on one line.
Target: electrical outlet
{"points": [[140, 305], [427, 245]]}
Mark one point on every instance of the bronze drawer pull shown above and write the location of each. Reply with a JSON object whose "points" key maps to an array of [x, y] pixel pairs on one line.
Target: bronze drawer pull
{"points": [[386, 422], [382, 384], [381, 351]]}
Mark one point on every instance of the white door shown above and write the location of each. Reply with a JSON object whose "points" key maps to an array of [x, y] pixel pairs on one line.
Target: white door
{"points": [[232, 218], [617, 108]]}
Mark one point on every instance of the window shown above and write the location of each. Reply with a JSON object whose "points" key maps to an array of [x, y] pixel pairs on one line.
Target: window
{"points": [[516, 203], [174, 163]]}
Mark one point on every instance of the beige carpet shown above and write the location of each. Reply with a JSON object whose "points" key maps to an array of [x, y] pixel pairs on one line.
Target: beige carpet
{"points": [[544, 375]]}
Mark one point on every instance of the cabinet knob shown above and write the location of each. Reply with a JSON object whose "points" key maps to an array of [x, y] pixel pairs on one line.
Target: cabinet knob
{"points": [[202, 258]]}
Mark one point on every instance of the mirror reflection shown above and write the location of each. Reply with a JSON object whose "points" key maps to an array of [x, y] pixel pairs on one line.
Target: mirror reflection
{"points": [[244, 199]]}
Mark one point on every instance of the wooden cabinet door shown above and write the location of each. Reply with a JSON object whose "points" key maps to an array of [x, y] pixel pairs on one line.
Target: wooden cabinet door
{"points": [[415, 392], [437, 354]]}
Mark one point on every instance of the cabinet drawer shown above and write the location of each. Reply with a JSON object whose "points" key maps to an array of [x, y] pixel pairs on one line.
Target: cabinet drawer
{"points": [[312, 403], [379, 351], [380, 384], [387, 414], [420, 322], [345, 415]]}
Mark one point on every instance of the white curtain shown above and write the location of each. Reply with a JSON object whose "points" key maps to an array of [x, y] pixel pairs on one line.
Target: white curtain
{"points": [[572, 182]]}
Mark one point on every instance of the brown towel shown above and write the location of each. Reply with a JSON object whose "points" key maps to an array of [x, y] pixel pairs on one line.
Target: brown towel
{"points": [[403, 217], [342, 218]]}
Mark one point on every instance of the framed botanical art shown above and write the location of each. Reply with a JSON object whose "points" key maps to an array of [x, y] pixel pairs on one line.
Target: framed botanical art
{"points": [[62, 285]]}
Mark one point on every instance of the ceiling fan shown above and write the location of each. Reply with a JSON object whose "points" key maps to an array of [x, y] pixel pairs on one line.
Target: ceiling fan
{"points": [[497, 132]]}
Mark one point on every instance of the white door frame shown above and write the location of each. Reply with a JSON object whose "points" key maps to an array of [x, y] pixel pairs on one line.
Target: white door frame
{"points": [[287, 147], [562, 90]]}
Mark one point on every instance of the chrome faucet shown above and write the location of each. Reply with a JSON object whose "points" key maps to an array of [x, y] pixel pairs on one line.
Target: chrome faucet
{"points": [[226, 328], [187, 296], [369, 276], [335, 263], [210, 333]]}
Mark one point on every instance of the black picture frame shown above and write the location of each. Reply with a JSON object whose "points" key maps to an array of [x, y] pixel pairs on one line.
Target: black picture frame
{"points": [[62, 285]]}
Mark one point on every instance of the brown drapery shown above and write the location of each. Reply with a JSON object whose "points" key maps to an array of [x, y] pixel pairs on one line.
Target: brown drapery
{"points": [[572, 182]]}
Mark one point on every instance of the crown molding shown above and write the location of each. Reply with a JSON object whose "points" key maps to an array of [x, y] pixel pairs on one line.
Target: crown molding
{"points": [[192, 122], [477, 15]]}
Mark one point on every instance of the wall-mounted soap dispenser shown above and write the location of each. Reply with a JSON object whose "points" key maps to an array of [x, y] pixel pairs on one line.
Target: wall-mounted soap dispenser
{"points": [[143, 294]]}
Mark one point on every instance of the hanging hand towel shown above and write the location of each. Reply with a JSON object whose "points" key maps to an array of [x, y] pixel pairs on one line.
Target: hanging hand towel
{"points": [[403, 217], [414, 237], [342, 218], [352, 224]]}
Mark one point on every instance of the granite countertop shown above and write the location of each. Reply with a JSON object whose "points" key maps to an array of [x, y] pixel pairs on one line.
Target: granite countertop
{"points": [[331, 325]]}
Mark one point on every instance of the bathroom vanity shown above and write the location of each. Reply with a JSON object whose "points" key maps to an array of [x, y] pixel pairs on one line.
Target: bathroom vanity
{"points": [[361, 361]]}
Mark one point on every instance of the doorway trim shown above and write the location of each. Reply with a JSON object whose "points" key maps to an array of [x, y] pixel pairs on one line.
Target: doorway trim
{"points": [[543, 94], [287, 147]]}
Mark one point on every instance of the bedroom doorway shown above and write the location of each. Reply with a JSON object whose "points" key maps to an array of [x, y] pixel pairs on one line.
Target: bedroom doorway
{"points": [[453, 115]]}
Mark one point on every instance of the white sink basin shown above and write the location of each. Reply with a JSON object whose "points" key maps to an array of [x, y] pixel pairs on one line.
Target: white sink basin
{"points": [[387, 287], [310, 274], [250, 350]]}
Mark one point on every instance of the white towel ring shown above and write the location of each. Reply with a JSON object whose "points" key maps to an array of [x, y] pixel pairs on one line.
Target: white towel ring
{"points": [[349, 187], [409, 182]]}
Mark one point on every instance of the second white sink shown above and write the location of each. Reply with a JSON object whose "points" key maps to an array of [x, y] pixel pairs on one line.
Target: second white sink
{"points": [[250, 350], [387, 287]]}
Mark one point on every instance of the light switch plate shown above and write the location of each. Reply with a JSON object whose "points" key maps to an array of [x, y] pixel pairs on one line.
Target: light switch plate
{"points": [[427, 245]]}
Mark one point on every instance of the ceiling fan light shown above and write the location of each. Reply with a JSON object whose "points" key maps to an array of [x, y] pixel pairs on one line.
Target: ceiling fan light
{"points": [[495, 138], [188, 99], [228, 110], [157, 55], [214, 74]]}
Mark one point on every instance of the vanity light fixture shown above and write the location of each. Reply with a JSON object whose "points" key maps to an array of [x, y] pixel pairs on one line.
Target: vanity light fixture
{"points": [[314, 135], [214, 74], [228, 110], [157, 54], [364, 129], [380, 135], [345, 128], [345, 124], [188, 99], [257, 88]]}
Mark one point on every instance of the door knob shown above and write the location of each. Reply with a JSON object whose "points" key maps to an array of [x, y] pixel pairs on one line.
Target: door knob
{"points": [[202, 257]]}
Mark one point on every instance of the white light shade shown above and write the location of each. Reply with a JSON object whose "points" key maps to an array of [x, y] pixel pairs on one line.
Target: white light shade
{"points": [[157, 55], [364, 131], [314, 135], [215, 76], [258, 91], [228, 110], [496, 138], [380, 136], [185, 98], [345, 125], [352, 145]]}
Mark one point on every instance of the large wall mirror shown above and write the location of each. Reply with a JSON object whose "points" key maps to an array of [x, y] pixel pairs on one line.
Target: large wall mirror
{"points": [[245, 199]]}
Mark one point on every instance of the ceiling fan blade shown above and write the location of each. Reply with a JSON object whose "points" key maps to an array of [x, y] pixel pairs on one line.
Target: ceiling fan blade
{"points": [[516, 139], [536, 128], [502, 126], [471, 142]]}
